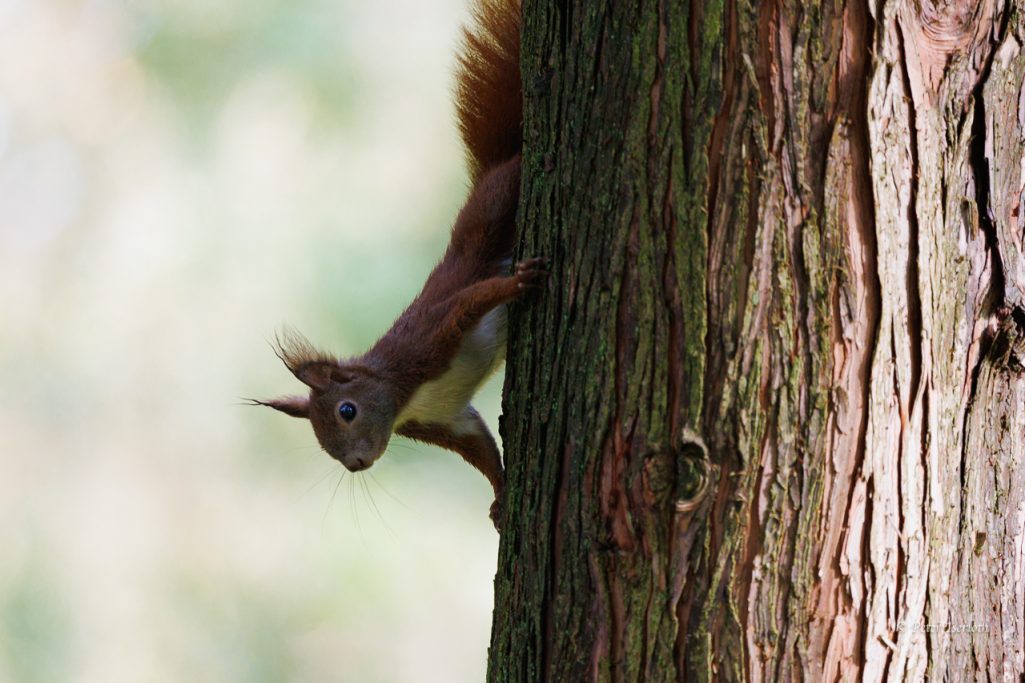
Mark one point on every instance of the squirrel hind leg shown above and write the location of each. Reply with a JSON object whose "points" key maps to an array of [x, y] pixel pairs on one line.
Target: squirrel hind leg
{"points": [[470, 438]]}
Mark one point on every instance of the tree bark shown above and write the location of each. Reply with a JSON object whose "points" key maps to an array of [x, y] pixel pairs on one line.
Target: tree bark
{"points": [[767, 420]]}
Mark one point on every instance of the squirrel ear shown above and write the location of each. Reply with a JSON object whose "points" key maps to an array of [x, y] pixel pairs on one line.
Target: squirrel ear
{"points": [[315, 375], [296, 406], [318, 375]]}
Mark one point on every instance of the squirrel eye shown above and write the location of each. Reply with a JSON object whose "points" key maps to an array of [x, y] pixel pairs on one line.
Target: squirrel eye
{"points": [[347, 411]]}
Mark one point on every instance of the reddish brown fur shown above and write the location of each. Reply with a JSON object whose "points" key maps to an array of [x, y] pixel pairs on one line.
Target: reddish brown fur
{"points": [[472, 278], [488, 90]]}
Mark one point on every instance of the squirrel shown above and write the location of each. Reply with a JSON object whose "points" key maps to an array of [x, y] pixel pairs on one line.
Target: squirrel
{"points": [[418, 379]]}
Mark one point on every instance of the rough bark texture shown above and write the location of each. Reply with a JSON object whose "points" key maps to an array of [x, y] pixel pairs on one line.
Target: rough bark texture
{"points": [[767, 421]]}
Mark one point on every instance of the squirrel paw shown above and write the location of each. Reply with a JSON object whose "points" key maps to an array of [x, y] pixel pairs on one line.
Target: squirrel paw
{"points": [[530, 272], [496, 514]]}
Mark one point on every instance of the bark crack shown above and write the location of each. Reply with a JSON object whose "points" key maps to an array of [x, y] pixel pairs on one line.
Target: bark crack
{"points": [[861, 149], [717, 140], [913, 279], [979, 164]]}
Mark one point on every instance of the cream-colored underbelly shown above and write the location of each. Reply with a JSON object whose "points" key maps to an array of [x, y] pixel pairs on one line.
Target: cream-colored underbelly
{"points": [[445, 399]]}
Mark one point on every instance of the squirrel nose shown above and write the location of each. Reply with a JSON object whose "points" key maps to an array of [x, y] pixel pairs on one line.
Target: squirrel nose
{"points": [[360, 465]]}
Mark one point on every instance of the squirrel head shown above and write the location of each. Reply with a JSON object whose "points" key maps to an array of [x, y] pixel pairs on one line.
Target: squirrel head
{"points": [[349, 405]]}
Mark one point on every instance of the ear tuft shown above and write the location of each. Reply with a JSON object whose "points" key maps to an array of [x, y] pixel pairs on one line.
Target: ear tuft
{"points": [[296, 406], [310, 366]]}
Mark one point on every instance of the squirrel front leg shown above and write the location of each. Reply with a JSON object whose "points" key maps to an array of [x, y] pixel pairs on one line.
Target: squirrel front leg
{"points": [[471, 439], [466, 308]]}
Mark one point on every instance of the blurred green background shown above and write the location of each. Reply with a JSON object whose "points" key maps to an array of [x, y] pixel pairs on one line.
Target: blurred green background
{"points": [[179, 179]]}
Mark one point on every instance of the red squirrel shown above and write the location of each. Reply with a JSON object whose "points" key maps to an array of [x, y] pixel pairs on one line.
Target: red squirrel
{"points": [[419, 378]]}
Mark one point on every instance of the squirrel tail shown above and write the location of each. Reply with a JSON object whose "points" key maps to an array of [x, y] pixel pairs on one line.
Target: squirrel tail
{"points": [[489, 95]]}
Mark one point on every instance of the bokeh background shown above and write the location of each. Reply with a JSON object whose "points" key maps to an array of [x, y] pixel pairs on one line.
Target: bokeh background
{"points": [[179, 179]]}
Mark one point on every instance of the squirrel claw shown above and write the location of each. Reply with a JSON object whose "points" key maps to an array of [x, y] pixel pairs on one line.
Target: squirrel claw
{"points": [[530, 272]]}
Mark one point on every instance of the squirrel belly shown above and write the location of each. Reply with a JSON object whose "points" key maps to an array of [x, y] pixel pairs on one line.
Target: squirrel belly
{"points": [[446, 400]]}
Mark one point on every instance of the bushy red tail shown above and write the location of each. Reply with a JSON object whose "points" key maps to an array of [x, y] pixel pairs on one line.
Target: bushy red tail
{"points": [[489, 95]]}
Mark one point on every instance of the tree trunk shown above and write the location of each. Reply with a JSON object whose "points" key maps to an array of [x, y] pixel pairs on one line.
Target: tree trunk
{"points": [[767, 420]]}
